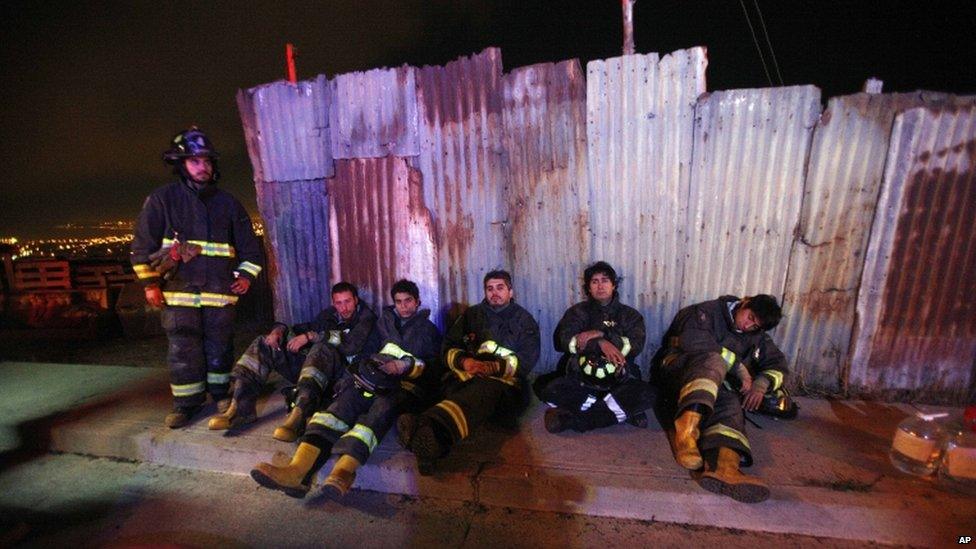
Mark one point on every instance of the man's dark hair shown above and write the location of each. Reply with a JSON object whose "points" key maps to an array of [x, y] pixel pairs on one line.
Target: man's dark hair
{"points": [[500, 274], [345, 287], [600, 267], [766, 309], [404, 286]]}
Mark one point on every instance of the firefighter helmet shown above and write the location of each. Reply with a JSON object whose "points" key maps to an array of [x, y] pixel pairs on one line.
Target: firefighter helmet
{"points": [[369, 376], [779, 404], [187, 143], [598, 372]]}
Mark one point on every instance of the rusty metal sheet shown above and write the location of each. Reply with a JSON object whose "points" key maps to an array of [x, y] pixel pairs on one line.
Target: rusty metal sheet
{"points": [[380, 230], [374, 114], [751, 150], [841, 190], [916, 329], [640, 111], [296, 225], [545, 138], [286, 128], [462, 161]]}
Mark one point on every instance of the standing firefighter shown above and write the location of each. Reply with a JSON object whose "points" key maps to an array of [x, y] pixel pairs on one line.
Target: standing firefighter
{"points": [[195, 252], [600, 339], [717, 360], [490, 350], [402, 375]]}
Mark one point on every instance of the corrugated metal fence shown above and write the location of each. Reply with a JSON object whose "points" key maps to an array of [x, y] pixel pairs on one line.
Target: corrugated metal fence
{"points": [[858, 218]]}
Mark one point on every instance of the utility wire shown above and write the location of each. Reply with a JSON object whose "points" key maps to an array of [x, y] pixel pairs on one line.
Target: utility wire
{"points": [[755, 41], [772, 54]]}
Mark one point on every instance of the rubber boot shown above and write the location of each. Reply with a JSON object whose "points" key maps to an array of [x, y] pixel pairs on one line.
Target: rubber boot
{"points": [[224, 404], [340, 480], [686, 440], [292, 428], [558, 420], [406, 427], [725, 478], [233, 418], [294, 479], [180, 416]]}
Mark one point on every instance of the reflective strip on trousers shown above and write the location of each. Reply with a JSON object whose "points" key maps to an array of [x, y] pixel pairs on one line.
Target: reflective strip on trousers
{"points": [[213, 249], [329, 421], [249, 362], [252, 269], [726, 431], [700, 384], [316, 375], [457, 415], [615, 408], [203, 299], [217, 379], [188, 389], [364, 434], [776, 376]]}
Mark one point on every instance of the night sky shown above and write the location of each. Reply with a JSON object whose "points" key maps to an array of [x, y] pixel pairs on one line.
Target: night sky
{"points": [[93, 92]]}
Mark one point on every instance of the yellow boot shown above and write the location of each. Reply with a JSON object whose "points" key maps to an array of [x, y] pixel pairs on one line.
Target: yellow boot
{"points": [[294, 479], [686, 440], [341, 478], [725, 478], [292, 427]]}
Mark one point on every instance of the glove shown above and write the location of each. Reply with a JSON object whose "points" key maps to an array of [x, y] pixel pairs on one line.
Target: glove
{"points": [[154, 296]]}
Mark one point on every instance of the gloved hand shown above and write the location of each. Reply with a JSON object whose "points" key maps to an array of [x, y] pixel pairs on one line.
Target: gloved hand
{"points": [[154, 296]]}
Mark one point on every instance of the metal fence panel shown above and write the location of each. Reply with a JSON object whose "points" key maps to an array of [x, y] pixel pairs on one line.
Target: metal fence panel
{"points": [[462, 161], [374, 114], [916, 329], [843, 181], [545, 138], [640, 110], [750, 156], [286, 128], [380, 229]]}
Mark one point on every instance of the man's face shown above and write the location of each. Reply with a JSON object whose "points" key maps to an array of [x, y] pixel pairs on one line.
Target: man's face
{"points": [[199, 168], [345, 304], [601, 287], [745, 319], [498, 292], [406, 304]]}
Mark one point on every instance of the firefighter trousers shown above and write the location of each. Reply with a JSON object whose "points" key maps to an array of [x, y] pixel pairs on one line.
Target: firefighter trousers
{"points": [[469, 404], [254, 367], [594, 408], [322, 368], [201, 350]]}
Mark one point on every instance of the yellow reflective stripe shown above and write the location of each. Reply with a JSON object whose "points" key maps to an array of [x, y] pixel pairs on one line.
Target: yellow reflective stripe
{"points": [[203, 299], [451, 359], [214, 249], [143, 270], [626, 347], [776, 376], [394, 350], [335, 337], [729, 358], [511, 360], [700, 384], [726, 431], [511, 366], [329, 421], [313, 373], [188, 389], [250, 268], [363, 433], [217, 379], [457, 414], [250, 362], [572, 345], [416, 370]]}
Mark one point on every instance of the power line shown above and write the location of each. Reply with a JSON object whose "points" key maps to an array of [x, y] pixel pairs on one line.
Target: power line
{"points": [[755, 41], [772, 54]]}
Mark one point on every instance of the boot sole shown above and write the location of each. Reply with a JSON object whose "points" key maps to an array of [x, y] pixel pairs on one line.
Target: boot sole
{"points": [[333, 492], [744, 492], [268, 482], [406, 426], [424, 444], [285, 436]]}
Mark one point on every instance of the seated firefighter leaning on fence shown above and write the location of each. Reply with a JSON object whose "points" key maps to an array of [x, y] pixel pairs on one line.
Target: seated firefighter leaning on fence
{"points": [[402, 376], [715, 362], [312, 354]]}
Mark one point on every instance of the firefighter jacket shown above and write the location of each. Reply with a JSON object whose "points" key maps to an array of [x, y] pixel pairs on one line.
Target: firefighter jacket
{"points": [[621, 325], [415, 340], [709, 327], [349, 337], [210, 218], [509, 337]]}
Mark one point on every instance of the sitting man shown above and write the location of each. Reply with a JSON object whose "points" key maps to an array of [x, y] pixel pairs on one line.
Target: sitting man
{"points": [[314, 355], [600, 339], [717, 360], [490, 350], [401, 375]]}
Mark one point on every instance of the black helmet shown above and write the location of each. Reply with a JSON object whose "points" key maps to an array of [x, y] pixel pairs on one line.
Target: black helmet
{"points": [[779, 404], [598, 372], [369, 377], [187, 143]]}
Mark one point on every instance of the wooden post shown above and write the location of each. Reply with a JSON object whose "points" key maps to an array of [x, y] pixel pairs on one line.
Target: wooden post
{"points": [[628, 8], [290, 52]]}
